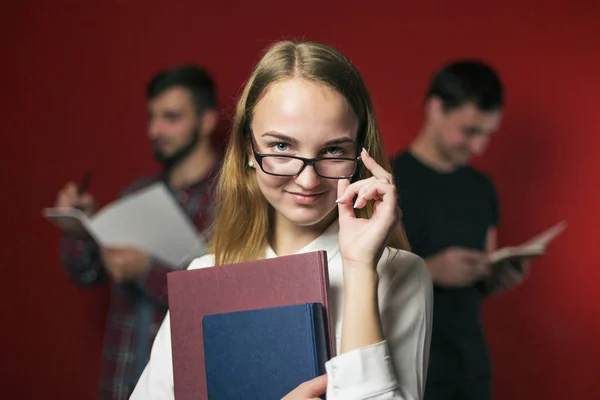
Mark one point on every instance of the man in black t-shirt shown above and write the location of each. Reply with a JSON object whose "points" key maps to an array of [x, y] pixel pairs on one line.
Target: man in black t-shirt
{"points": [[450, 212]]}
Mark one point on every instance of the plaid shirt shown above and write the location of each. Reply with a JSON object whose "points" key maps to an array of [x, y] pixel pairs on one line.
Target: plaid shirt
{"points": [[136, 308]]}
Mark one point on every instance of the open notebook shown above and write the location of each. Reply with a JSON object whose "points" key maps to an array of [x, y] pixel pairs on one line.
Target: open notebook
{"points": [[149, 219], [534, 247]]}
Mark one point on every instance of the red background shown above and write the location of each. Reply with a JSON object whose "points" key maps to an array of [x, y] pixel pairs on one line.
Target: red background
{"points": [[73, 99]]}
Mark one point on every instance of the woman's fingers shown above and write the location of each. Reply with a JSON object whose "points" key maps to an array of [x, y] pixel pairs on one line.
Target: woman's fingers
{"points": [[345, 209], [364, 191], [358, 188], [377, 170], [350, 191], [378, 191]]}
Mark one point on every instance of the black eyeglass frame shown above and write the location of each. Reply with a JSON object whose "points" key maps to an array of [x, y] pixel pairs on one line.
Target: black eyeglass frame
{"points": [[305, 161]]}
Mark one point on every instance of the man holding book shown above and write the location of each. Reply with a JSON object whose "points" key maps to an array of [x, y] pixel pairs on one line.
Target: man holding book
{"points": [[182, 105], [450, 212]]}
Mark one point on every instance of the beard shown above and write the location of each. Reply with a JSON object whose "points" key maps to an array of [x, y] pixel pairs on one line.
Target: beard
{"points": [[169, 161]]}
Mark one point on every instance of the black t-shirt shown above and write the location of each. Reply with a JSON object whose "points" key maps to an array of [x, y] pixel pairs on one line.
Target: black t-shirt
{"points": [[441, 210]]}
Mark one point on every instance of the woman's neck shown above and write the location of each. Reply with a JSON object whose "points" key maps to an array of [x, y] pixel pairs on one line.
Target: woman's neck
{"points": [[288, 238]]}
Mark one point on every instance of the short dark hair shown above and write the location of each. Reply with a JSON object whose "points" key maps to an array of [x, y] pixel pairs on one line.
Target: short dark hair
{"points": [[468, 81], [191, 77]]}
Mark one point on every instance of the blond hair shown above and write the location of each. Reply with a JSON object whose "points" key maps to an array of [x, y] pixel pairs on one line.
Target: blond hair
{"points": [[241, 225]]}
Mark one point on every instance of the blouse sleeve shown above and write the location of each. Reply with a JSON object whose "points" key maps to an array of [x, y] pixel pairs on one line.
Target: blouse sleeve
{"points": [[395, 368], [156, 381]]}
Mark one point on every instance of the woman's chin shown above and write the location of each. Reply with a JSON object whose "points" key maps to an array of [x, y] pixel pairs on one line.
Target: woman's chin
{"points": [[308, 217]]}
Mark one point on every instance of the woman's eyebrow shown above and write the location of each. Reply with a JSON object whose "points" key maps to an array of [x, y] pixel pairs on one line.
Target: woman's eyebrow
{"points": [[280, 136], [341, 140], [284, 138]]}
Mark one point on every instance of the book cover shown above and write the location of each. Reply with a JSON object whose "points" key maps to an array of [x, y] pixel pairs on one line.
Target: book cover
{"points": [[264, 353]]}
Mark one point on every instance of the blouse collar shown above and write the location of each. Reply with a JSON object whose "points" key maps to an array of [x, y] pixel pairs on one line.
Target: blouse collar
{"points": [[327, 241]]}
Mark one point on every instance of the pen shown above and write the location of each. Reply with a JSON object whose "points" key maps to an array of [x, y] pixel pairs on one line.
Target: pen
{"points": [[85, 182]]}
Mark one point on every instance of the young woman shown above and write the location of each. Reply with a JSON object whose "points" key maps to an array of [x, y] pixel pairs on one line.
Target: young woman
{"points": [[304, 171]]}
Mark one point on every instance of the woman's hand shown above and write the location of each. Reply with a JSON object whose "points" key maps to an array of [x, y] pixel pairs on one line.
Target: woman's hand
{"points": [[309, 390], [362, 240]]}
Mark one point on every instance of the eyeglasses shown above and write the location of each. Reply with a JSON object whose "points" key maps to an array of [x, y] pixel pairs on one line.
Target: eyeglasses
{"points": [[325, 167]]}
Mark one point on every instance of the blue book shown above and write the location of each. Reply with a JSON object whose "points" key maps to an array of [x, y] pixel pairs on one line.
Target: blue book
{"points": [[266, 353]]}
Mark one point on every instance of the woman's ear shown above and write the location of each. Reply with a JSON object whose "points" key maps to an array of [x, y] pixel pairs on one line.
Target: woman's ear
{"points": [[251, 163]]}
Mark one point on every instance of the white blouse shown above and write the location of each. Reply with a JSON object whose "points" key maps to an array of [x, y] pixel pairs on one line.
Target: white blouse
{"points": [[395, 368]]}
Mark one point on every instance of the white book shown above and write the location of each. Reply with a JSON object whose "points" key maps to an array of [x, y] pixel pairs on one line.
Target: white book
{"points": [[534, 247], [149, 219]]}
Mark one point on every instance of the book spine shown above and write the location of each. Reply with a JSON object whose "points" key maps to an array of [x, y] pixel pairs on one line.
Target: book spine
{"points": [[320, 338], [322, 261]]}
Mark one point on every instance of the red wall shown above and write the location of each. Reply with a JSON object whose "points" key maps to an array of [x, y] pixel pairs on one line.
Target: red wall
{"points": [[73, 99]]}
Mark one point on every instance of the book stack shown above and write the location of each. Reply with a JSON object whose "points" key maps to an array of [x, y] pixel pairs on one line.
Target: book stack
{"points": [[254, 330]]}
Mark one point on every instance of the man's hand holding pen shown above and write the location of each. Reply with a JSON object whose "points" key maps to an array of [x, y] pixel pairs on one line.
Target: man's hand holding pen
{"points": [[76, 196]]}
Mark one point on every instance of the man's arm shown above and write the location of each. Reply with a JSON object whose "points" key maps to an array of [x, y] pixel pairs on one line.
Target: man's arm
{"points": [[134, 266], [81, 261], [79, 254], [457, 267], [153, 281]]}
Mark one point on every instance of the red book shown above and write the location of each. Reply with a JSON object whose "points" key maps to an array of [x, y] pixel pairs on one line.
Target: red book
{"points": [[273, 282]]}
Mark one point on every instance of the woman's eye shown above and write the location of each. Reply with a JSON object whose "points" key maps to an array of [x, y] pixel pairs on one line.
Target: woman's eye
{"points": [[335, 151], [281, 146]]}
